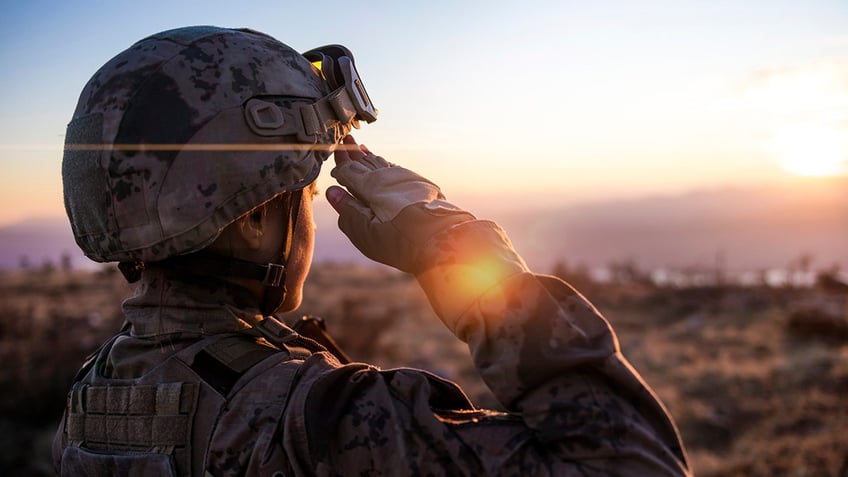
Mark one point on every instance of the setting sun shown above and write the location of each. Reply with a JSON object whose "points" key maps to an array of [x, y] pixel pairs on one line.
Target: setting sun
{"points": [[816, 150]]}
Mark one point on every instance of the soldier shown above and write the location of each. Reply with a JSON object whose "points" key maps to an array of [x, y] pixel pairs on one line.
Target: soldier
{"points": [[191, 160]]}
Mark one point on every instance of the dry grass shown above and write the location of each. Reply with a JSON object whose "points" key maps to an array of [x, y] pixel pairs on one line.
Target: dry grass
{"points": [[756, 378]]}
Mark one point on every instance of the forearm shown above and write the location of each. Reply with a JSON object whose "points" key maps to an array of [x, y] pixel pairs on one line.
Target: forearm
{"points": [[546, 352]]}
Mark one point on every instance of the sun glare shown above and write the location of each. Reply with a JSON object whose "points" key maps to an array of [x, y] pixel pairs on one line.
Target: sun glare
{"points": [[815, 150]]}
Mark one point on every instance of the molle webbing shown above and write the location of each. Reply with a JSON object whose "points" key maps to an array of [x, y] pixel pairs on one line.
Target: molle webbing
{"points": [[115, 421], [134, 418]]}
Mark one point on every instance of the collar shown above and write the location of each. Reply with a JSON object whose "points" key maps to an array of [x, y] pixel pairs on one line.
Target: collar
{"points": [[172, 301]]}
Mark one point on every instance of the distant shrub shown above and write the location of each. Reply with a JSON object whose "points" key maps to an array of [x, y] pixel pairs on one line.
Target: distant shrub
{"points": [[818, 323], [831, 282]]}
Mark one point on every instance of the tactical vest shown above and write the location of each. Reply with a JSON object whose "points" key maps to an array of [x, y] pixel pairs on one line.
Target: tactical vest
{"points": [[162, 423]]}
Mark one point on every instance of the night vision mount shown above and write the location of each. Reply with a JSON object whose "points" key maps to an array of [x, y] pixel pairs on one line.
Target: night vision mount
{"points": [[336, 64]]}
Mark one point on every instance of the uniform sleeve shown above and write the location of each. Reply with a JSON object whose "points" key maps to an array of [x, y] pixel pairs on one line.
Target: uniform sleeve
{"points": [[574, 405]]}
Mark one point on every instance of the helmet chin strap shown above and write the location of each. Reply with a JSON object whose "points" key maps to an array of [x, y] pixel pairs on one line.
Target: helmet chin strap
{"points": [[271, 275], [274, 296]]}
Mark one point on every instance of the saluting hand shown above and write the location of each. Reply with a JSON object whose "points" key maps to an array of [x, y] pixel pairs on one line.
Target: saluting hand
{"points": [[388, 212]]}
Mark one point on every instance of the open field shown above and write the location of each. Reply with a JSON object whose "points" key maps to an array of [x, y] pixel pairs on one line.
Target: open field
{"points": [[756, 377]]}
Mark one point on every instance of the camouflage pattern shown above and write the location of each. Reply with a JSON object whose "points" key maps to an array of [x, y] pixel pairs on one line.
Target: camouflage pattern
{"points": [[162, 151], [574, 406]]}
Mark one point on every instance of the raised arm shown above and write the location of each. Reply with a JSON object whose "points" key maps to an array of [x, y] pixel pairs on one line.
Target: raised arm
{"points": [[574, 404]]}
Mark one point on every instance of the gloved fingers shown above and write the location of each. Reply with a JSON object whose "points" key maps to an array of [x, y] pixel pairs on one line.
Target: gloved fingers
{"points": [[346, 204], [388, 212], [387, 190], [375, 162], [355, 218], [349, 154], [347, 151], [396, 243], [337, 197], [377, 240]]}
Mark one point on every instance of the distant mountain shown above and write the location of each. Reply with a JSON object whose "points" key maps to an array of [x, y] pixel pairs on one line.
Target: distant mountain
{"points": [[38, 241], [747, 229]]}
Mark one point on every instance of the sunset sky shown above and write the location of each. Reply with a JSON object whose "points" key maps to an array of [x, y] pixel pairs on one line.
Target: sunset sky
{"points": [[564, 100]]}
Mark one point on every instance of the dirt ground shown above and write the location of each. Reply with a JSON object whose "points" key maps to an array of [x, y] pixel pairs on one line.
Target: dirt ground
{"points": [[756, 377]]}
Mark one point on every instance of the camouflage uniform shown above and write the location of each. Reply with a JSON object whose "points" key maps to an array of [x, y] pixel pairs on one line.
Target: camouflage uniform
{"points": [[149, 404], [575, 406]]}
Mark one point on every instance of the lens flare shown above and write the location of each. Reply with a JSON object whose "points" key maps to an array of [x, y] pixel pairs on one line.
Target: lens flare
{"points": [[485, 273]]}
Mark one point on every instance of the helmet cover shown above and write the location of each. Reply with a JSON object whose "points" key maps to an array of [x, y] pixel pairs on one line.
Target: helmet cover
{"points": [[163, 151]]}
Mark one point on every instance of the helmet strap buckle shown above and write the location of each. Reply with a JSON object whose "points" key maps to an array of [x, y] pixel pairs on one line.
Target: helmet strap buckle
{"points": [[274, 274]]}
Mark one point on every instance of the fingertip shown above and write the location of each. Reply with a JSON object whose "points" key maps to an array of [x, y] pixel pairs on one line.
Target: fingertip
{"points": [[352, 151], [342, 153], [336, 196]]}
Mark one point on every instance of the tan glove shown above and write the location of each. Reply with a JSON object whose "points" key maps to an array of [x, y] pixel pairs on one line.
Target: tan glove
{"points": [[393, 211], [401, 219]]}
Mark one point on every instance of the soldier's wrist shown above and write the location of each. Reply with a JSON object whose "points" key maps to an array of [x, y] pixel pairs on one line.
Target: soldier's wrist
{"points": [[463, 263]]}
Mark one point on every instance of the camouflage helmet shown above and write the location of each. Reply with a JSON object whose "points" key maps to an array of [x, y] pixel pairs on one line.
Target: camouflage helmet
{"points": [[189, 129]]}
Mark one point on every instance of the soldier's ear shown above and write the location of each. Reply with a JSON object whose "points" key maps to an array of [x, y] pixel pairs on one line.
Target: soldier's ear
{"points": [[251, 228], [243, 235]]}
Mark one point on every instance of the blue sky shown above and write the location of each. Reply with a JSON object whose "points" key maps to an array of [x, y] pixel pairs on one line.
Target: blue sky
{"points": [[572, 100]]}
